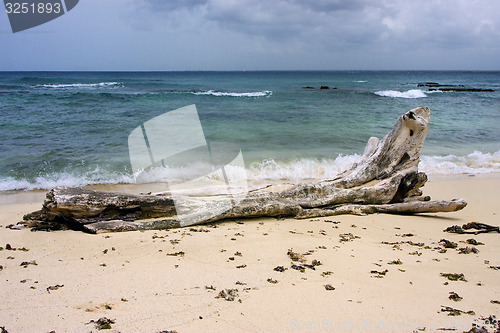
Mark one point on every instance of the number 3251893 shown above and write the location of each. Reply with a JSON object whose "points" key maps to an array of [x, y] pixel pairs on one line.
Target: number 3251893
{"points": [[31, 8]]}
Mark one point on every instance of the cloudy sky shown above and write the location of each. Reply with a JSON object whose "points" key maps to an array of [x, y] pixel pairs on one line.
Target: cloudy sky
{"points": [[260, 35]]}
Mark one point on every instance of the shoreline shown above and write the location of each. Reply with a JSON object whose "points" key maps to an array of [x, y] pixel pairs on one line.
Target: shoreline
{"points": [[168, 280], [38, 195]]}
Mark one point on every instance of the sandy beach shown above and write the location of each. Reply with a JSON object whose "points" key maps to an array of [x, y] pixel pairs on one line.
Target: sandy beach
{"points": [[376, 273]]}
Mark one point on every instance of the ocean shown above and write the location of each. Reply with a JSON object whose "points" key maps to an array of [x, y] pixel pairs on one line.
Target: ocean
{"points": [[72, 128]]}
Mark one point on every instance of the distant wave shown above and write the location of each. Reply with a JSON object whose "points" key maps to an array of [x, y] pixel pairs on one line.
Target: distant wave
{"points": [[414, 93], [269, 169], [265, 93], [81, 85]]}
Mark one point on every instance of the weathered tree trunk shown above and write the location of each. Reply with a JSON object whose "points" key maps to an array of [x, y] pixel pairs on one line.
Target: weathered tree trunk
{"points": [[384, 180]]}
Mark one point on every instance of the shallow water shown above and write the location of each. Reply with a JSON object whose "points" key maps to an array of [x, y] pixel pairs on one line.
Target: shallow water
{"points": [[72, 129]]}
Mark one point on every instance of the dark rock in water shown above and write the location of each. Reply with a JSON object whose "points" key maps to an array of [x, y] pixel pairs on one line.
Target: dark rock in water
{"points": [[429, 84], [451, 87], [463, 89], [324, 87], [308, 87], [437, 85]]}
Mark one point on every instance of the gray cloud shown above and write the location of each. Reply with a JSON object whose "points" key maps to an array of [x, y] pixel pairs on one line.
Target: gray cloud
{"points": [[446, 23], [277, 34]]}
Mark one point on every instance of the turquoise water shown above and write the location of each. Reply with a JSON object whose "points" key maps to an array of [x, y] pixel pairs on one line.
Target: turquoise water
{"points": [[71, 128]]}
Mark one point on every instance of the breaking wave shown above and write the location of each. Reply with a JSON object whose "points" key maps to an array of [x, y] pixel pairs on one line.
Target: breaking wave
{"points": [[414, 93], [269, 169], [473, 163], [265, 93], [81, 85]]}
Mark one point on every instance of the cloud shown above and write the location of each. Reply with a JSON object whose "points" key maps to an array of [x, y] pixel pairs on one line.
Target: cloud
{"points": [[274, 20], [353, 20], [278, 34], [336, 29]]}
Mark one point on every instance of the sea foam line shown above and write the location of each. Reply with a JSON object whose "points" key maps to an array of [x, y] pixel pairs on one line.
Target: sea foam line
{"points": [[414, 93], [265, 93], [295, 171], [81, 85]]}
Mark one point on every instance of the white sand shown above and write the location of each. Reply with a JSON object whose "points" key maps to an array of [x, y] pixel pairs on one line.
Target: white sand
{"points": [[137, 284]]}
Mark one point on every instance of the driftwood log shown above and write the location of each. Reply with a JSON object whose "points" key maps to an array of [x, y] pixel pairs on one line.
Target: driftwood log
{"points": [[384, 180]]}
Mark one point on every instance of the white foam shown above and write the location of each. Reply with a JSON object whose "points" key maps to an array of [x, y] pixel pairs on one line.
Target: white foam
{"points": [[265, 93], [414, 93], [473, 163], [82, 85], [270, 169], [300, 169], [174, 174], [63, 179]]}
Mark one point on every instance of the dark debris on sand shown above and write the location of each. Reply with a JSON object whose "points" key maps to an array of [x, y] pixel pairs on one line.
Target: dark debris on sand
{"points": [[347, 237], [472, 241], [479, 227], [454, 276], [454, 297], [228, 294], [455, 312], [379, 274], [102, 323], [448, 244], [467, 250], [55, 287], [27, 263]]}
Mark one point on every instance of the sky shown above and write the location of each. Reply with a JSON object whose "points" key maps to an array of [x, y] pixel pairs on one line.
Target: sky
{"points": [[166, 35]]}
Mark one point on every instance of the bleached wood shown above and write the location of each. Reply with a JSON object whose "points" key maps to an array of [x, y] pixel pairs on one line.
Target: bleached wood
{"points": [[384, 180]]}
